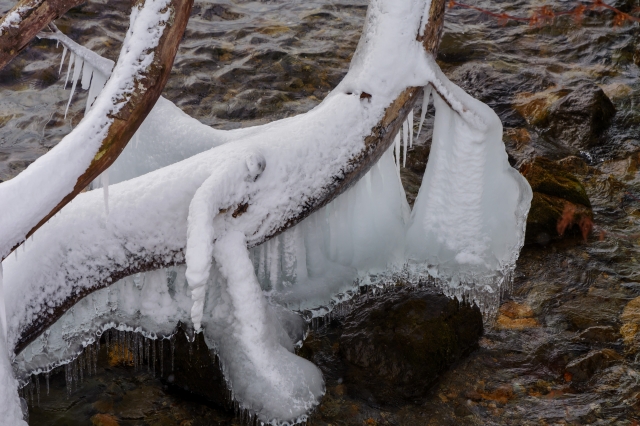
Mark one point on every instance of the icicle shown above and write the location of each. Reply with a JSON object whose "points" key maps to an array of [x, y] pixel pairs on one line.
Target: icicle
{"points": [[411, 129], [105, 191], [38, 389], [46, 377], [67, 379], [396, 145], [172, 342], [425, 106], [72, 57], [161, 357], [77, 67], [405, 141], [87, 72], [81, 368], [74, 366], [153, 350], [64, 53]]}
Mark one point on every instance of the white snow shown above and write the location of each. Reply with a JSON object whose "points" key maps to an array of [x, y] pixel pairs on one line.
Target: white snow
{"points": [[13, 18], [173, 194]]}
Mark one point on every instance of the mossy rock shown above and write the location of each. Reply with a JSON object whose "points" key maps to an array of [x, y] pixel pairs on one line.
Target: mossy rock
{"points": [[560, 205]]}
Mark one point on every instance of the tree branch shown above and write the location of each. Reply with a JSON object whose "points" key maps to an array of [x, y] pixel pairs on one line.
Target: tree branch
{"points": [[128, 118], [375, 144], [25, 20]]}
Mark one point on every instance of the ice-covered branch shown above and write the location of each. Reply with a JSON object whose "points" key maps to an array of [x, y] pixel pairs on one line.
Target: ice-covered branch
{"points": [[301, 207], [136, 83], [27, 18]]}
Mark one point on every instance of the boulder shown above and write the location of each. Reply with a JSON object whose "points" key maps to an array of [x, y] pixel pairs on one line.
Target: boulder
{"points": [[395, 347], [572, 117], [581, 369], [560, 205]]}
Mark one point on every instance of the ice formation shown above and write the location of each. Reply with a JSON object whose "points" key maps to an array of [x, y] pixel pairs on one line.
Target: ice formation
{"points": [[183, 192]]}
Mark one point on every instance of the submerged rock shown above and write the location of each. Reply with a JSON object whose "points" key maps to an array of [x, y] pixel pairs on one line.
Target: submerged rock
{"points": [[573, 117], [515, 316], [583, 368], [560, 205], [393, 348], [630, 329]]}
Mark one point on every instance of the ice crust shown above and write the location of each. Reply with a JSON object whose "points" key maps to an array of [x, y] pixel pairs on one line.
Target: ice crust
{"points": [[172, 197]]}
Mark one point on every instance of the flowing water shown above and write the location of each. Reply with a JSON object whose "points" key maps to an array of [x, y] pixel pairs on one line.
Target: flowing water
{"points": [[243, 63]]}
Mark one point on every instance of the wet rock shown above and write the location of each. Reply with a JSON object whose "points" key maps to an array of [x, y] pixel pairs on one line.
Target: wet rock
{"points": [[515, 316], [630, 329], [600, 334], [560, 205], [104, 420], [193, 369], [395, 347], [573, 117], [495, 85], [583, 368]]}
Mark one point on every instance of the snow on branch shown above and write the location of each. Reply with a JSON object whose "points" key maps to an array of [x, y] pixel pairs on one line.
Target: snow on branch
{"points": [[27, 18], [136, 83]]}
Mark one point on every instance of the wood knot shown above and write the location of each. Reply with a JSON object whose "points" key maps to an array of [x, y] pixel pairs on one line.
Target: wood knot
{"points": [[242, 208]]}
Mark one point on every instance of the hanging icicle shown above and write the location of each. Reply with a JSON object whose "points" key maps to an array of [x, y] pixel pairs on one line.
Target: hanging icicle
{"points": [[425, 106]]}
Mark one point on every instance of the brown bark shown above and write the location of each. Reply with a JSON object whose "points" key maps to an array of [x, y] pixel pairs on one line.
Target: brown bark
{"points": [[35, 15], [380, 139], [137, 107]]}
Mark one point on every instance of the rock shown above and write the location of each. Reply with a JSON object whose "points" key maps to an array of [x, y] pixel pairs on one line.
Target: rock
{"points": [[560, 205], [630, 329], [574, 117], [616, 90], [104, 420], [195, 369], [495, 85], [581, 369], [515, 316], [600, 334], [396, 346]]}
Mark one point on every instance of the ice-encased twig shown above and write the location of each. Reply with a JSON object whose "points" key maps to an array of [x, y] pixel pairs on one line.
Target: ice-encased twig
{"points": [[227, 186]]}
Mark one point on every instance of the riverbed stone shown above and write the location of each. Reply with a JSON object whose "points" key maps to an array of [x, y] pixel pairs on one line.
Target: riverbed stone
{"points": [[560, 205], [630, 329], [583, 368], [395, 347], [515, 316], [573, 117]]}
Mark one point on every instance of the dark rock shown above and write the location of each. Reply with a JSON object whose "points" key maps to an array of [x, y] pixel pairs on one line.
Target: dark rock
{"points": [[560, 205], [581, 116], [495, 87], [195, 369], [395, 347], [581, 369], [600, 334]]}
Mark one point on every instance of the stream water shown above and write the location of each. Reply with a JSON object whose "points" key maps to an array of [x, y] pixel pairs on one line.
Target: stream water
{"points": [[247, 62]]}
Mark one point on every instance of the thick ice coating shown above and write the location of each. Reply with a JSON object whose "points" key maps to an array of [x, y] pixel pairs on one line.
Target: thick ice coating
{"points": [[182, 192]]}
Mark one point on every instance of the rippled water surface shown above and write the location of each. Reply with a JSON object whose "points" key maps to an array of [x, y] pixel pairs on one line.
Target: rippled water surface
{"points": [[243, 63]]}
